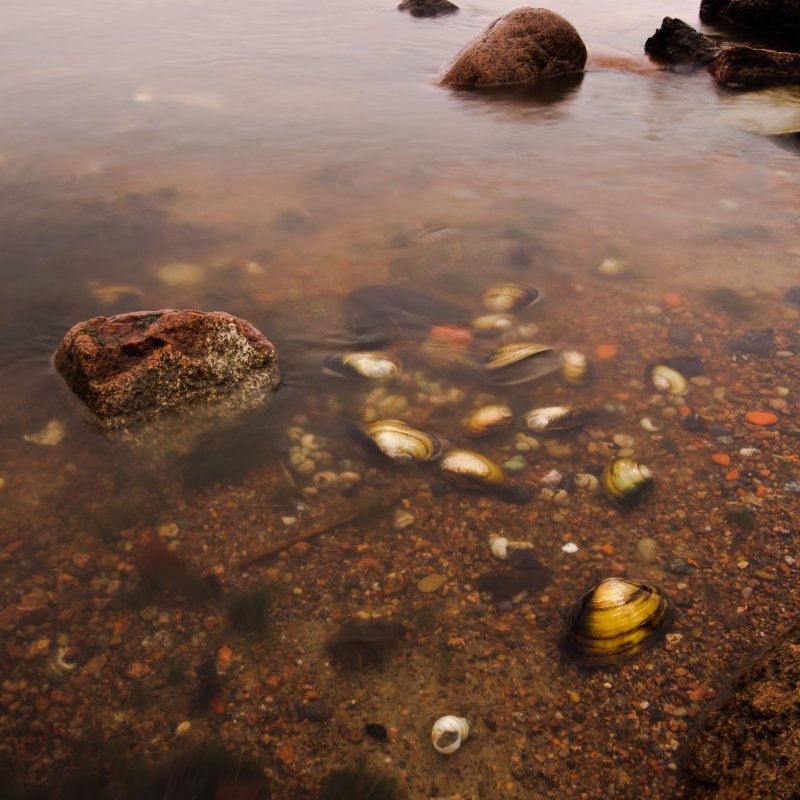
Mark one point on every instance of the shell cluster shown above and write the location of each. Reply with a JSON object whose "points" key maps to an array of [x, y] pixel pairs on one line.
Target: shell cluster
{"points": [[614, 621]]}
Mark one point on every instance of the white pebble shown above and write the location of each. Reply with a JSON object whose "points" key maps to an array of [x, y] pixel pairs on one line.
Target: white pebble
{"points": [[570, 547]]}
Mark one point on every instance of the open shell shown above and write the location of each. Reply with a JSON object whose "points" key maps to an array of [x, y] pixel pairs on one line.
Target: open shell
{"points": [[614, 621], [448, 733], [626, 482], [666, 379]]}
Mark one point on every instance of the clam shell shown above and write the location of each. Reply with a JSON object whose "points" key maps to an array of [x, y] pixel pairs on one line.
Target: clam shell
{"points": [[626, 482], [666, 379], [488, 419], [520, 362], [575, 367], [471, 469], [400, 442], [508, 298], [367, 365], [614, 621], [493, 323], [448, 733], [554, 418]]}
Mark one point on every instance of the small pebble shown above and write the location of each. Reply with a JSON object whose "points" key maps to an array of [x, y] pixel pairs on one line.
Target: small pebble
{"points": [[515, 464], [431, 583], [183, 727], [647, 549], [570, 547]]}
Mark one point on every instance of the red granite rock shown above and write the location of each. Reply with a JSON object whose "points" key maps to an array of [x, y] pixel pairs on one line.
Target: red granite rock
{"points": [[523, 45], [134, 367]]}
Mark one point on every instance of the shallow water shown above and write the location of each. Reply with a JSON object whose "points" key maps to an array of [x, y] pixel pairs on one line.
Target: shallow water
{"points": [[294, 152]]}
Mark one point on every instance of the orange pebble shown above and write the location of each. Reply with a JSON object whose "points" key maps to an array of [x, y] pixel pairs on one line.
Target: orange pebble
{"points": [[721, 458], [761, 491], [761, 417], [684, 411], [606, 351], [732, 475], [673, 299], [451, 333], [608, 549]]}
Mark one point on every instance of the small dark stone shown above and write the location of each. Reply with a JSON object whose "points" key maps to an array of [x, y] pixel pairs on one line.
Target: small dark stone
{"points": [[361, 642], [758, 342], [505, 585], [523, 558], [694, 423], [678, 566], [792, 296], [680, 334], [717, 429], [675, 42], [376, 731], [688, 366], [313, 712], [741, 516], [516, 494], [427, 8]]}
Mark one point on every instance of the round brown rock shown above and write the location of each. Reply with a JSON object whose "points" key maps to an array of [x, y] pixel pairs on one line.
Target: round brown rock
{"points": [[134, 367], [523, 45]]}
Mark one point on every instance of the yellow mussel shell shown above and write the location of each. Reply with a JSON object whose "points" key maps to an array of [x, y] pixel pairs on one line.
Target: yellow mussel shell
{"points": [[614, 621]]}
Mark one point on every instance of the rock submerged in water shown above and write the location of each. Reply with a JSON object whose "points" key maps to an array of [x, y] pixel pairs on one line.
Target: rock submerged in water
{"points": [[675, 42], [427, 8], [747, 746], [525, 44], [136, 367], [750, 68], [781, 18]]}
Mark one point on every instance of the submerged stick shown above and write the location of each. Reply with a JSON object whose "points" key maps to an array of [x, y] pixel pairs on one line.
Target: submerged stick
{"points": [[362, 514]]}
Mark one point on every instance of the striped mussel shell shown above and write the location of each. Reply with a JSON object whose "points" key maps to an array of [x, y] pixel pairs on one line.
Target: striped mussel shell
{"points": [[626, 481], [520, 362], [489, 419], [614, 621], [554, 418], [367, 365], [400, 442], [666, 379], [471, 469], [509, 298]]}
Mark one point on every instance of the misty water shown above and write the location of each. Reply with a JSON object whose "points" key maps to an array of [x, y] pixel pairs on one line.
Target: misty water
{"points": [[284, 154]]}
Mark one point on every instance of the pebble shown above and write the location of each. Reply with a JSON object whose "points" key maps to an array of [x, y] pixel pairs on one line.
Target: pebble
{"points": [[570, 547], [181, 273], [623, 440], [183, 727], [647, 549], [782, 391], [169, 530], [431, 583], [515, 464], [402, 519]]}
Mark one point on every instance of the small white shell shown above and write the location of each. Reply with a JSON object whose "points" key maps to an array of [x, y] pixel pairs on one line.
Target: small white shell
{"points": [[587, 481], [448, 733], [499, 547], [650, 425]]}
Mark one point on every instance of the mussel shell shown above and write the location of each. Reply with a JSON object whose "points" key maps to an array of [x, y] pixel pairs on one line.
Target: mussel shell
{"points": [[575, 368], [488, 419], [626, 482], [554, 418], [471, 469], [615, 620], [508, 298], [520, 362], [666, 379], [400, 442], [493, 324], [363, 365]]}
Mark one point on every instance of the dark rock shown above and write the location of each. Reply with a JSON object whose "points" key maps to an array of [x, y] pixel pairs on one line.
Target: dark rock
{"points": [[694, 423], [792, 296], [505, 586], [780, 17], [525, 44], [748, 744], [313, 711], [135, 367], [751, 68], [376, 731], [675, 42], [688, 366], [427, 8], [759, 342], [363, 642]]}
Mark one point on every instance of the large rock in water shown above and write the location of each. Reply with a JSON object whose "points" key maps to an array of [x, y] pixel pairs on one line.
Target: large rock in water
{"points": [[428, 8], [752, 68], [749, 746], [523, 45], [675, 42], [134, 367], [779, 17]]}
